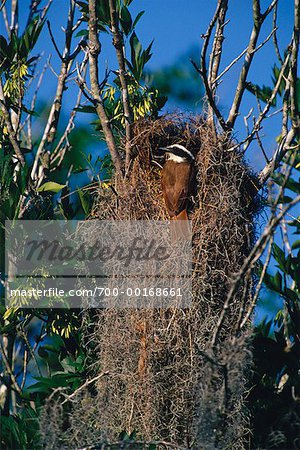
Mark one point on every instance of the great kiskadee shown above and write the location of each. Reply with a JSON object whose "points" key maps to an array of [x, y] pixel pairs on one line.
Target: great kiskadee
{"points": [[176, 179]]}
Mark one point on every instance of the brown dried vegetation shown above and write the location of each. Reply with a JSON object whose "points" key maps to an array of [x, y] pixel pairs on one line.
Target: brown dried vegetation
{"points": [[164, 379]]}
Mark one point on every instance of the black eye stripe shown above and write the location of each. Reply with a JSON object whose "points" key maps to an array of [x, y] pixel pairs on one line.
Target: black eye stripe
{"points": [[179, 152]]}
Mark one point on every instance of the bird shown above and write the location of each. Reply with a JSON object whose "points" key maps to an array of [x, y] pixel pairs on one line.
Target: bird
{"points": [[177, 177]]}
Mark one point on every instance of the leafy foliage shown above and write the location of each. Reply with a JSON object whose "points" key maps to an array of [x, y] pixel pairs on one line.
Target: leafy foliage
{"points": [[275, 397]]}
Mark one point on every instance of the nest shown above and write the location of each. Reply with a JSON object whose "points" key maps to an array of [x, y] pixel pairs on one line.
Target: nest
{"points": [[182, 395]]}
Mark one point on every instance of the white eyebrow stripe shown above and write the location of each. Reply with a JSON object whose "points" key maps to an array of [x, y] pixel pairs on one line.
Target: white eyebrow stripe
{"points": [[175, 158], [181, 147]]}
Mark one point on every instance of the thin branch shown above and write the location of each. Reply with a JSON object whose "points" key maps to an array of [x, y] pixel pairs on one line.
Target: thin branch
{"points": [[279, 154], [216, 53], [249, 264], [210, 97], [203, 69], [14, 24], [34, 4], [94, 51], [258, 286], [234, 61], [9, 370], [262, 147], [33, 102], [266, 109], [83, 386], [25, 365], [54, 115], [5, 19], [258, 19], [275, 41], [53, 40], [58, 152], [45, 10], [269, 9], [293, 76], [246, 119], [11, 132], [120, 52]]}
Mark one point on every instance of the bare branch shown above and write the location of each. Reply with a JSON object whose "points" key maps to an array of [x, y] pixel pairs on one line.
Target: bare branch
{"points": [[94, 51], [275, 41], [54, 115], [250, 262], [83, 386], [58, 152], [279, 154], [269, 9], [33, 102], [291, 88], [5, 19], [53, 40], [46, 8], [14, 24], [258, 19], [293, 76], [267, 107], [216, 53], [234, 61], [262, 147], [203, 69], [258, 286], [119, 46], [210, 97]]}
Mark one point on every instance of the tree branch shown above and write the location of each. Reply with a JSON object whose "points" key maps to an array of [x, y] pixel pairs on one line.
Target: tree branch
{"points": [[235, 60], [94, 51], [249, 264], [216, 54], [258, 19], [11, 132], [54, 115], [291, 88], [9, 370], [203, 69], [275, 41], [210, 97], [119, 46], [293, 75], [53, 40]]}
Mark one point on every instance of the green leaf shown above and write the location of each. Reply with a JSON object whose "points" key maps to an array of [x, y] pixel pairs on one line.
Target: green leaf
{"points": [[291, 295], [85, 201], [103, 12], [82, 33], [126, 20], [51, 186], [262, 93], [285, 199], [296, 245], [278, 281], [280, 257], [136, 20], [86, 109]]}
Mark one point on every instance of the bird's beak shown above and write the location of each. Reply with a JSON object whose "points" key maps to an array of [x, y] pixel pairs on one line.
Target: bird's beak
{"points": [[161, 152]]}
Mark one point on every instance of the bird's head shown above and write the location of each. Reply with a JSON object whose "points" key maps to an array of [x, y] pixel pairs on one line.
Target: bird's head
{"points": [[177, 153]]}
